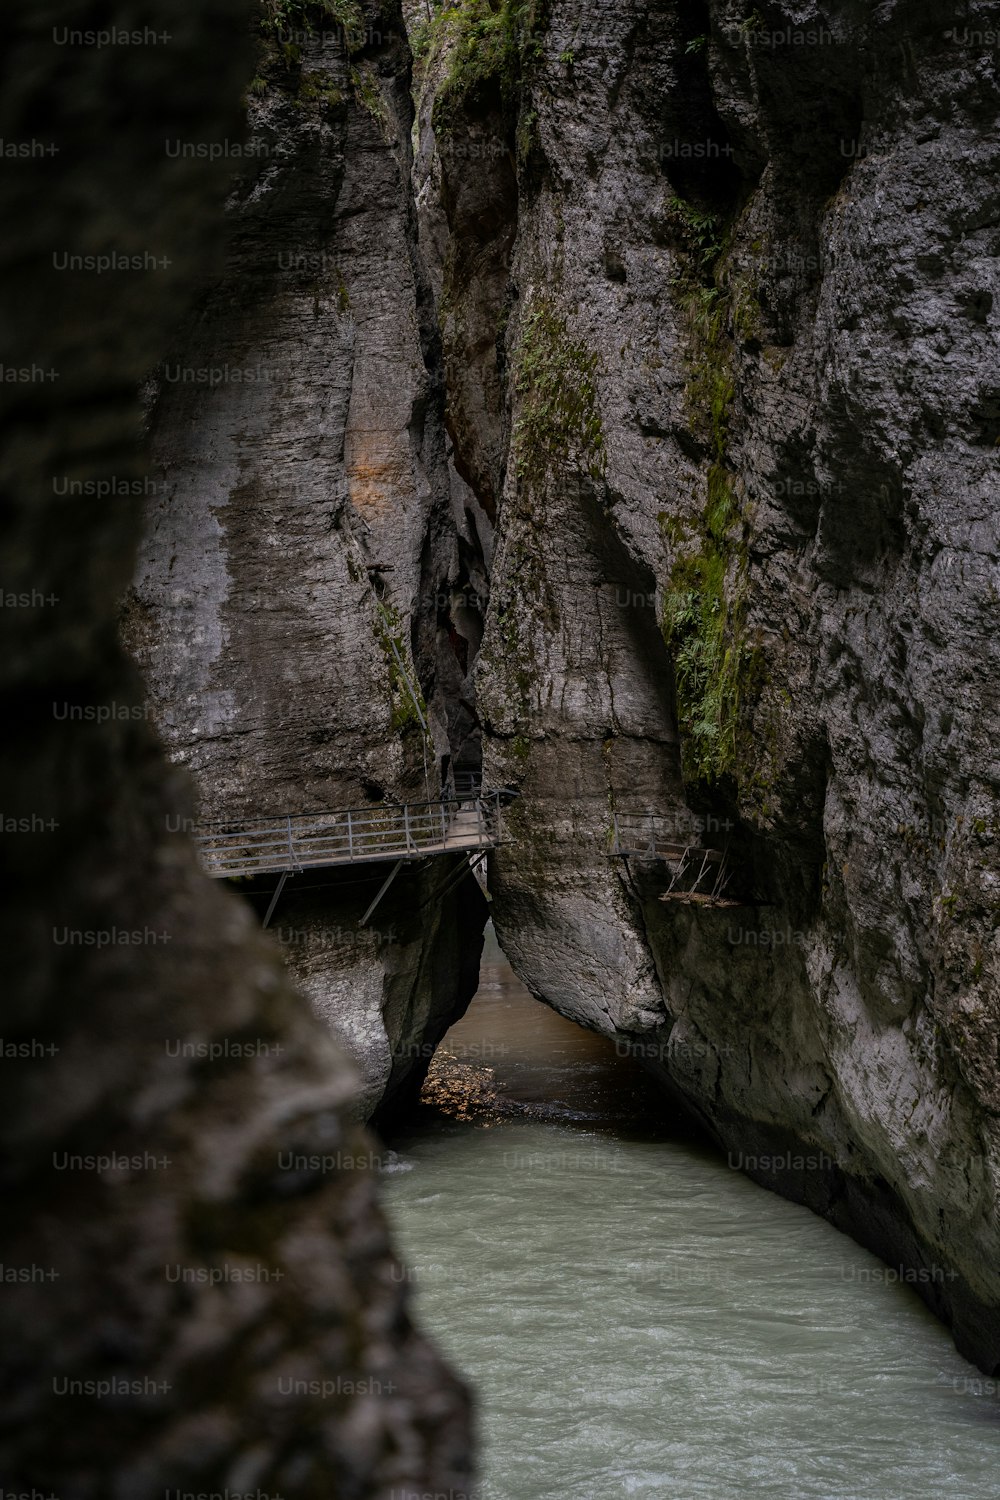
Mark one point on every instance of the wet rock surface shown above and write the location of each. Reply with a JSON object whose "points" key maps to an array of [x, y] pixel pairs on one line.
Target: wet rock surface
{"points": [[757, 258]]}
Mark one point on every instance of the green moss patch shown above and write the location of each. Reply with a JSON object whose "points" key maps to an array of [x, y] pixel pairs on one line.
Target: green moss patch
{"points": [[494, 44], [718, 670], [559, 423], [704, 622], [407, 701]]}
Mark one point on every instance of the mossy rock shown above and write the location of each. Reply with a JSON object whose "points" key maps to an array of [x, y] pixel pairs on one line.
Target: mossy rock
{"points": [[558, 423], [494, 46], [718, 668]]}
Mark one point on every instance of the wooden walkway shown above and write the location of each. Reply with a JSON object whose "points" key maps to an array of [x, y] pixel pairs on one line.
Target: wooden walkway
{"points": [[368, 835]]}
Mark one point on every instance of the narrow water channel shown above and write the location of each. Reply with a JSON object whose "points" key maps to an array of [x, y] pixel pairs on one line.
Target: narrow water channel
{"points": [[639, 1320]]}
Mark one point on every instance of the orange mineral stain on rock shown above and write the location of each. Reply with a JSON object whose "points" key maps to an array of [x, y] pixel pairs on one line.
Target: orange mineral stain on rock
{"points": [[378, 472]]}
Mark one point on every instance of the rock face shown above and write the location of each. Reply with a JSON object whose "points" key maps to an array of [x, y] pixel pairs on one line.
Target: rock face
{"points": [[736, 277], [302, 602], [198, 1289], [389, 990]]}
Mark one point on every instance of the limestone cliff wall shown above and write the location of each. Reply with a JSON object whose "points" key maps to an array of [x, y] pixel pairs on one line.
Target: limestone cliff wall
{"points": [[306, 604], [746, 568]]}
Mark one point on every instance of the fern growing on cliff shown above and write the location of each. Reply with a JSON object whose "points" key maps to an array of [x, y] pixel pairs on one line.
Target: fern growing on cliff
{"points": [[283, 16], [493, 43]]}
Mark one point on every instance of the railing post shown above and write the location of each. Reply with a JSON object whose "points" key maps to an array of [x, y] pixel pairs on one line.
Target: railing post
{"points": [[616, 842], [350, 836], [444, 826], [406, 826], [291, 846]]}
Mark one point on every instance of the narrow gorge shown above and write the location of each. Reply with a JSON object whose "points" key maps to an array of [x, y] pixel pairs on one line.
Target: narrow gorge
{"points": [[591, 407], [640, 383]]}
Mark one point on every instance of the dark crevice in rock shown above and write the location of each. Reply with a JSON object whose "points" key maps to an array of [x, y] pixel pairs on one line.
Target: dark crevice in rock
{"points": [[698, 154]]}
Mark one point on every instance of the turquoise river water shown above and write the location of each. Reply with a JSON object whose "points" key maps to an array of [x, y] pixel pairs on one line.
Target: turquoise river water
{"points": [[639, 1320]]}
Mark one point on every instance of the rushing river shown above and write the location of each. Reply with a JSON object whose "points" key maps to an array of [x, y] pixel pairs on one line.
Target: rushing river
{"points": [[636, 1318]]}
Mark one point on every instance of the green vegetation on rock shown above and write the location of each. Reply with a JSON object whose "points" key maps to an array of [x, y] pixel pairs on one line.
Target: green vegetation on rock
{"points": [[704, 622], [717, 668], [409, 710], [294, 15], [558, 422], [364, 82], [701, 237], [493, 44], [284, 26], [317, 88]]}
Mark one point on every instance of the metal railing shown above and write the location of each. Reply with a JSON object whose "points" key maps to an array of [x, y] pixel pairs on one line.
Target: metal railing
{"points": [[353, 835], [468, 783], [659, 835], [672, 839]]}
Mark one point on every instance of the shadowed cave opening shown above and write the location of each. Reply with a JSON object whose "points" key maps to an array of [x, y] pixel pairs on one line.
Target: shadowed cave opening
{"points": [[513, 1057]]}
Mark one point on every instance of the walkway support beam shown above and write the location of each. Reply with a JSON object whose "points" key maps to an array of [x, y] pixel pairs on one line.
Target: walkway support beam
{"points": [[387, 882], [274, 899]]}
